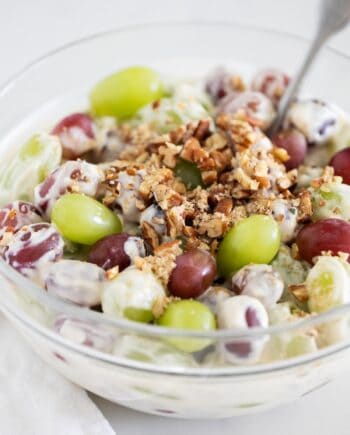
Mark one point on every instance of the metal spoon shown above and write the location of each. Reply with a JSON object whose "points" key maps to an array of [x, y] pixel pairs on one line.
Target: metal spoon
{"points": [[334, 16]]}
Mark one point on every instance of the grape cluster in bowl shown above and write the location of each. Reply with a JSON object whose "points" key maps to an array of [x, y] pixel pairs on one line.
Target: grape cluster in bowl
{"points": [[168, 203]]}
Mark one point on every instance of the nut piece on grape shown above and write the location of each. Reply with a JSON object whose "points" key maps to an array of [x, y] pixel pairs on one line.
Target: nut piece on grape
{"points": [[315, 119], [331, 200], [76, 281], [132, 294], [72, 177], [155, 217], [128, 194], [108, 140], [259, 281], [76, 135], [272, 83], [253, 107], [15, 215], [213, 296], [116, 250], [294, 142], [80, 332], [242, 312], [33, 247]]}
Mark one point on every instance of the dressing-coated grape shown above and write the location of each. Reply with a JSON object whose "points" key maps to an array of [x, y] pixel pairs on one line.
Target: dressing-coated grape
{"points": [[76, 134], [116, 250]]}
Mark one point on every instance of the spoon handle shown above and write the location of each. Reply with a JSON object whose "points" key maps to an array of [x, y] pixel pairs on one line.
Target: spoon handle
{"points": [[334, 16], [295, 84]]}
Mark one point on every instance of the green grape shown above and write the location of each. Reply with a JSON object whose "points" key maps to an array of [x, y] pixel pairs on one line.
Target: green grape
{"points": [[155, 351], [340, 140], [332, 200], [189, 174], [123, 93], [84, 220], [301, 345], [138, 314], [35, 160], [255, 239], [327, 284], [132, 294], [188, 314]]}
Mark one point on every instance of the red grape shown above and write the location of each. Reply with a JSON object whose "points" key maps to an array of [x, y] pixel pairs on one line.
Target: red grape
{"points": [[32, 246], [272, 83], [341, 164], [17, 214], [85, 333], [257, 109], [76, 134], [72, 176], [116, 250], [325, 235], [294, 143], [76, 281], [242, 312], [194, 272], [219, 84]]}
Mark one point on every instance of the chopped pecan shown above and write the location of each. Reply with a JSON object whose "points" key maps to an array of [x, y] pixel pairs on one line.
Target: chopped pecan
{"points": [[224, 206], [150, 235], [216, 141], [202, 130], [240, 132], [299, 291], [305, 206], [162, 262], [193, 151], [280, 154], [209, 177]]}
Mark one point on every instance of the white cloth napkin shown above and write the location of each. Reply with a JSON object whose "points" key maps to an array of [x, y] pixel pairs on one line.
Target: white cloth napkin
{"points": [[35, 400]]}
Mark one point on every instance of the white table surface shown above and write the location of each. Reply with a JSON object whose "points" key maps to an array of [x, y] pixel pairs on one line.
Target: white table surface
{"points": [[29, 28]]}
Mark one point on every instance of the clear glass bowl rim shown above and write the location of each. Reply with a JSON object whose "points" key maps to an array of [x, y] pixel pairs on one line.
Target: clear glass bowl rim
{"points": [[153, 330]]}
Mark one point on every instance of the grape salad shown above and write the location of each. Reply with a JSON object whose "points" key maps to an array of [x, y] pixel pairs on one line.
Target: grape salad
{"points": [[169, 203]]}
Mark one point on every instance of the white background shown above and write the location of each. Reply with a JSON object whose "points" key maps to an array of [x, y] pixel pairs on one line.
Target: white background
{"points": [[29, 28]]}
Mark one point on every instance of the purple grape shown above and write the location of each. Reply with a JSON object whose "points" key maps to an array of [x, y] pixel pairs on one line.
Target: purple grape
{"points": [[219, 84], [72, 176], [272, 83], [294, 143], [194, 272], [33, 246], [17, 214], [85, 333], [242, 312], [76, 134], [76, 281], [253, 107], [116, 250]]}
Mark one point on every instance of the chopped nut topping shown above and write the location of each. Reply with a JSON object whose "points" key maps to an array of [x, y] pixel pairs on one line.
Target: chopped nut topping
{"points": [[112, 273], [162, 262], [300, 292]]}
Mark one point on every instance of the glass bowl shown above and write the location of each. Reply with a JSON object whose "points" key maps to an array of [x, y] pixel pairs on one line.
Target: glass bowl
{"points": [[134, 364]]}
